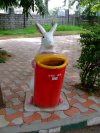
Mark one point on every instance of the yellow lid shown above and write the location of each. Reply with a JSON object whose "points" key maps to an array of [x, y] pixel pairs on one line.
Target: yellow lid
{"points": [[51, 61]]}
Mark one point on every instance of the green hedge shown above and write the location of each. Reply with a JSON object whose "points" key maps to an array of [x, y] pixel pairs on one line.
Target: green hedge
{"points": [[89, 61]]}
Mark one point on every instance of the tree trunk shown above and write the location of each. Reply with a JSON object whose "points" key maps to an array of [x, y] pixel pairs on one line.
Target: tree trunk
{"points": [[2, 104], [46, 8]]}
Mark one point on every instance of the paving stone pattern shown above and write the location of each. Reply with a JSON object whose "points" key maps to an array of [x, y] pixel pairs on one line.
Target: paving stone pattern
{"points": [[17, 71]]}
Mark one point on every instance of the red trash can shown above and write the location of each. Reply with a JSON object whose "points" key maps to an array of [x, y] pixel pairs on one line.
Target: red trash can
{"points": [[49, 74]]}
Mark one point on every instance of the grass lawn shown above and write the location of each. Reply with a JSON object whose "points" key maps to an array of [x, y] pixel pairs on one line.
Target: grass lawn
{"points": [[31, 31]]}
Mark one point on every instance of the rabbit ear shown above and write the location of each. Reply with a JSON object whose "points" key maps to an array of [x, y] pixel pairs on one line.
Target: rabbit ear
{"points": [[40, 28], [53, 28]]}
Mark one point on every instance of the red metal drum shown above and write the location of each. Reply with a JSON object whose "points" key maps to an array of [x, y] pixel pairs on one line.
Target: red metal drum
{"points": [[49, 74]]}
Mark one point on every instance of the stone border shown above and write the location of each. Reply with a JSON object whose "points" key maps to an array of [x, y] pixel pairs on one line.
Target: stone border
{"points": [[77, 121]]}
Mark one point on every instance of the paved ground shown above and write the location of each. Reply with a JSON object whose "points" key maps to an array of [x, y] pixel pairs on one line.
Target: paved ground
{"points": [[14, 77]]}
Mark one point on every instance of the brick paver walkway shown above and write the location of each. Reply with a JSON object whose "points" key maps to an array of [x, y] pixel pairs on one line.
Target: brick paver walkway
{"points": [[17, 71]]}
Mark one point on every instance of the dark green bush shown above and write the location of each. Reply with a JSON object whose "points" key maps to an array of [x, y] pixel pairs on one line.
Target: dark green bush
{"points": [[89, 61], [2, 60], [3, 52]]}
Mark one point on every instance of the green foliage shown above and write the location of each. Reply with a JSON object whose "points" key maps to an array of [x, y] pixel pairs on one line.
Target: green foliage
{"points": [[37, 5], [24, 31], [3, 52], [40, 7], [93, 4], [89, 61], [31, 30], [2, 60], [87, 12], [26, 4], [85, 24], [64, 27], [68, 28], [91, 7], [5, 4]]}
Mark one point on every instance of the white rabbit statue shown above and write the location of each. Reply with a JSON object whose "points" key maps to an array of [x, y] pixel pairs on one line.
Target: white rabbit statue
{"points": [[47, 46]]}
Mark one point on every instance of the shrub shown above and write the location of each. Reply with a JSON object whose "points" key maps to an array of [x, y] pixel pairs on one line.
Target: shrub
{"points": [[89, 61], [2, 60], [3, 52], [4, 55]]}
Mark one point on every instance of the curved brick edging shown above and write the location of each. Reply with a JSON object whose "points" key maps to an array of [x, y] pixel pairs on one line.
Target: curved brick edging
{"points": [[93, 121], [23, 129], [55, 126]]}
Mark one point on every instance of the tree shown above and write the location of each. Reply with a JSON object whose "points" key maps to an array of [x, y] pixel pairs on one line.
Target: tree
{"points": [[37, 5], [70, 3], [95, 4], [54, 11], [91, 7], [5, 4], [46, 7]]}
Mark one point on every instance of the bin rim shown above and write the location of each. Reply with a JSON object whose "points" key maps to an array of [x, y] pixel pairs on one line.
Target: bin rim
{"points": [[39, 58]]}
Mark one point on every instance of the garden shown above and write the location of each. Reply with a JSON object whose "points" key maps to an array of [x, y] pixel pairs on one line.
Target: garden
{"points": [[81, 87], [89, 61]]}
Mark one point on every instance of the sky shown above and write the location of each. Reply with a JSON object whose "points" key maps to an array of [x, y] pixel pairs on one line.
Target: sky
{"points": [[56, 3], [59, 3]]}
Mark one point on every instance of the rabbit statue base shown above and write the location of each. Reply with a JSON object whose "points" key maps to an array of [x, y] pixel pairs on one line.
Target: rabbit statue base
{"points": [[61, 100]]}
